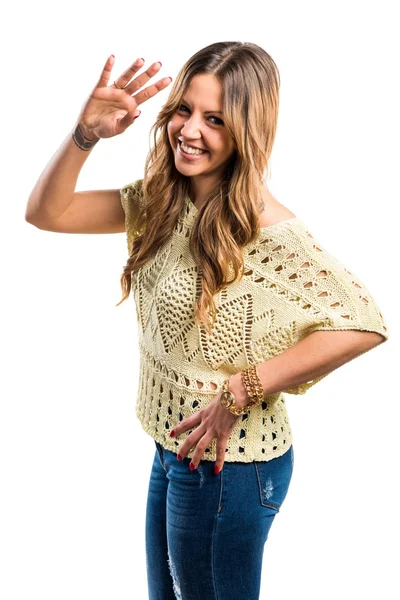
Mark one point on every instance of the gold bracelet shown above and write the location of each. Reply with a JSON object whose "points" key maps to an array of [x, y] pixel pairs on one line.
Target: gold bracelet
{"points": [[252, 384]]}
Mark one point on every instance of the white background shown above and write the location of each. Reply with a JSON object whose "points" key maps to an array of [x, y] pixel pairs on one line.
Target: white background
{"points": [[74, 461]]}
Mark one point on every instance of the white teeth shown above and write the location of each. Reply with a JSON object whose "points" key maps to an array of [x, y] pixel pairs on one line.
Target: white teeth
{"points": [[189, 150]]}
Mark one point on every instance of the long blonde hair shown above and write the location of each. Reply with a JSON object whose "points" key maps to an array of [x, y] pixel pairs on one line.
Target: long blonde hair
{"points": [[229, 219]]}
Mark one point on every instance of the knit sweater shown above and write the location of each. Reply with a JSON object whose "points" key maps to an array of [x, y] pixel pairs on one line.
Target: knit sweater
{"points": [[291, 287]]}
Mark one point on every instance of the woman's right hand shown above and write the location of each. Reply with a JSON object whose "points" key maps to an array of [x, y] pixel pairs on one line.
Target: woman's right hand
{"points": [[109, 110]]}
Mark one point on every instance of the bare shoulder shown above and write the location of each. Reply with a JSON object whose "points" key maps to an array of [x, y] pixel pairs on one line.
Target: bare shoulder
{"points": [[273, 211]]}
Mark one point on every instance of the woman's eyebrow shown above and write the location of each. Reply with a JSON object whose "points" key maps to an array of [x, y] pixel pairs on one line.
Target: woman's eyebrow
{"points": [[206, 112]]}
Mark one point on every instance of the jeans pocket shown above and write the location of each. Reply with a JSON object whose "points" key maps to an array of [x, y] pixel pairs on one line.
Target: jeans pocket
{"points": [[273, 477], [160, 453]]}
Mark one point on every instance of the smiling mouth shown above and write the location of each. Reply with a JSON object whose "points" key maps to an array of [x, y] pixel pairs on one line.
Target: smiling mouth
{"points": [[195, 154]]}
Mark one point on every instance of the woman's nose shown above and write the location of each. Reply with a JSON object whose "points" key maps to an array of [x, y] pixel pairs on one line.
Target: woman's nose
{"points": [[191, 128]]}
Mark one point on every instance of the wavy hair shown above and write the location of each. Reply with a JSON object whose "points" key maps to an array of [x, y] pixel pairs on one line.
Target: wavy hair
{"points": [[229, 219]]}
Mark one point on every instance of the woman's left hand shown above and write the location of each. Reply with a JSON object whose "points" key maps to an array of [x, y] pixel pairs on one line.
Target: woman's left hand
{"points": [[213, 421]]}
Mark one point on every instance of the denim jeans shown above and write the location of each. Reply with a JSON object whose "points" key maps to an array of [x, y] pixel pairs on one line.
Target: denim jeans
{"points": [[205, 533]]}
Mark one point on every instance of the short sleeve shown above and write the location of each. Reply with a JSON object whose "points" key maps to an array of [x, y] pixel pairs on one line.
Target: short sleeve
{"points": [[133, 205], [333, 297]]}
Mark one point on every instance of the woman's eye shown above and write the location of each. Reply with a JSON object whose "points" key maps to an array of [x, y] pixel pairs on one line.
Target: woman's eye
{"points": [[216, 118], [218, 121]]}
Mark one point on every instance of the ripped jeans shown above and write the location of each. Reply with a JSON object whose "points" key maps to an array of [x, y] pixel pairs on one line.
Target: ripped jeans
{"points": [[205, 533]]}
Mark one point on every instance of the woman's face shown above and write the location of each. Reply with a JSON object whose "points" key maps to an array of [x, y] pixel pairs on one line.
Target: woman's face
{"points": [[198, 123]]}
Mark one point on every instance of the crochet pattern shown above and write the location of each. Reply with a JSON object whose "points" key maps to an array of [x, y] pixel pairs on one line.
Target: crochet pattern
{"points": [[291, 286]]}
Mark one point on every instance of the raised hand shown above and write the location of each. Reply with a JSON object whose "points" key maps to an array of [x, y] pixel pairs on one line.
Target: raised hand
{"points": [[110, 110]]}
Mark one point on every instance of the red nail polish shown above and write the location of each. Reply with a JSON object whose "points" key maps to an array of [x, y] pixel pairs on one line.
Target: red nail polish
{"points": [[179, 457], [191, 466], [216, 470], [172, 434]]}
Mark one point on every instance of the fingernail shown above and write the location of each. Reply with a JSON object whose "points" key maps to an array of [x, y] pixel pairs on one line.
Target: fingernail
{"points": [[160, 63], [179, 457], [113, 55], [140, 112], [191, 466], [216, 470], [172, 434]]}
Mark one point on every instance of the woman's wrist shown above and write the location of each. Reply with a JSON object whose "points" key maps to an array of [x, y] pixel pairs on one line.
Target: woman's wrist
{"points": [[84, 139], [238, 390]]}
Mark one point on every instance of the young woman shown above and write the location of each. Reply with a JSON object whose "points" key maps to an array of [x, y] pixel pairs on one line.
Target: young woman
{"points": [[237, 302]]}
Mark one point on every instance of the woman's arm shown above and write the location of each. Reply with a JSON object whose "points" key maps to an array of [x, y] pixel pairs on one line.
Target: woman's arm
{"points": [[109, 111], [54, 190], [313, 357]]}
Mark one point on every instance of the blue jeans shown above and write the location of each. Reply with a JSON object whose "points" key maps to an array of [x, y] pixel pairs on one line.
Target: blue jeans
{"points": [[205, 533]]}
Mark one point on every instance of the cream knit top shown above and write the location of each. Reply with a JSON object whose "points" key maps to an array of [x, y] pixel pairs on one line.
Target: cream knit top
{"points": [[291, 286]]}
